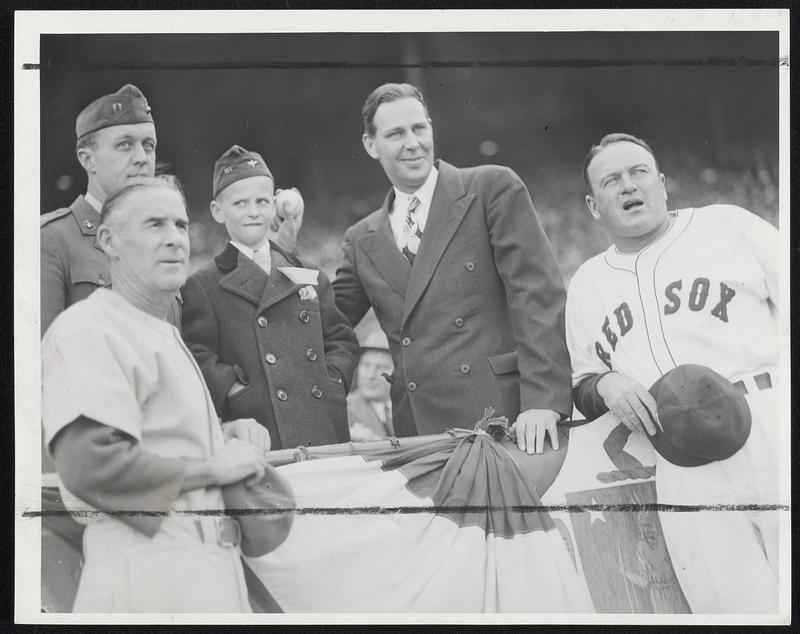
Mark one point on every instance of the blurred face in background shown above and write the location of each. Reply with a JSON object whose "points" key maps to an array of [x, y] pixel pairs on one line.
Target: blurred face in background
{"points": [[371, 382], [402, 143], [628, 194], [118, 156], [246, 208]]}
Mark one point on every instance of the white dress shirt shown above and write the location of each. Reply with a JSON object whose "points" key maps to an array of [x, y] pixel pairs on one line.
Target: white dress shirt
{"points": [[397, 215], [264, 260]]}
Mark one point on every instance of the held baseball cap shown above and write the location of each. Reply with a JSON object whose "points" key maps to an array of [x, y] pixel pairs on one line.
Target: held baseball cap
{"points": [[237, 164], [705, 418], [127, 105], [265, 511]]}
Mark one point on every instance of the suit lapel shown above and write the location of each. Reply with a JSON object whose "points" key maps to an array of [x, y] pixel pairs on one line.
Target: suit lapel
{"points": [[278, 285], [245, 278], [448, 206], [380, 247]]}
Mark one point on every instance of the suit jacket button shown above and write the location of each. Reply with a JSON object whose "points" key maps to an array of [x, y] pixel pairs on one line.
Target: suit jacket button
{"points": [[304, 316], [311, 355], [470, 266], [262, 321], [406, 342], [282, 395], [464, 368], [458, 322], [316, 392], [412, 387], [270, 358]]}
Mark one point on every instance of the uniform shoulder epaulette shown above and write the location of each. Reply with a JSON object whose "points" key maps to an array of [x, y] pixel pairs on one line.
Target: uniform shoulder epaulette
{"points": [[53, 215]]}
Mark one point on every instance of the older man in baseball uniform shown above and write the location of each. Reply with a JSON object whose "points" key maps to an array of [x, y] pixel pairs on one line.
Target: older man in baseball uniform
{"points": [[688, 286], [133, 431]]}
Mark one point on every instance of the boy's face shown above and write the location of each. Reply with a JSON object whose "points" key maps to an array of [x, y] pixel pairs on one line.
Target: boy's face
{"points": [[246, 208]]}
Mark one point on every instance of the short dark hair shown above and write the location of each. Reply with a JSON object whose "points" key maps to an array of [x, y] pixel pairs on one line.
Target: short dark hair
{"points": [[609, 139], [165, 181], [385, 94], [87, 140]]}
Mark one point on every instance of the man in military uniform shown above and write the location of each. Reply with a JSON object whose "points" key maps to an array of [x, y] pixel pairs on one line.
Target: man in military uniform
{"points": [[116, 144]]}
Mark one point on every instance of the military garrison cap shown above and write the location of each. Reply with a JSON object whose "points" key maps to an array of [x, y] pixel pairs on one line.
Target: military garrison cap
{"points": [[127, 105], [237, 164]]}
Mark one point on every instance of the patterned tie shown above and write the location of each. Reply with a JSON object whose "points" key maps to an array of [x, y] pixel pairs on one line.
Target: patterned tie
{"points": [[263, 259], [412, 234]]}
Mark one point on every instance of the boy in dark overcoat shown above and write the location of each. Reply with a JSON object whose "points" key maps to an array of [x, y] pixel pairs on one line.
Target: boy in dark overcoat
{"points": [[262, 325]]}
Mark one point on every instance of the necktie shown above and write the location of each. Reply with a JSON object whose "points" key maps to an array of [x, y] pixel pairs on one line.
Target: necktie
{"points": [[263, 259], [412, 234]]}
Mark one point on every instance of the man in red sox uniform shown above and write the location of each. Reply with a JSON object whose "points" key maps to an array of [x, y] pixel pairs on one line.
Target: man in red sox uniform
{"points": [[688, 286]]}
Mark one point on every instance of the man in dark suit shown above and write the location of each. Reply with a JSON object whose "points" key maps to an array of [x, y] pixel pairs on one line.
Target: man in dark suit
{"points": [[463, 282]]}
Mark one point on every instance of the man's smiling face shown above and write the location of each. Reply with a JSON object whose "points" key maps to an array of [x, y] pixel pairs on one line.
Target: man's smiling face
{"points": [[402, 143]]}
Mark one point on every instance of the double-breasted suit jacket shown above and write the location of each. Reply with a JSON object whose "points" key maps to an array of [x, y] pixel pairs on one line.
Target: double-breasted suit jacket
{"points": [[478, 321], [294, 355]]}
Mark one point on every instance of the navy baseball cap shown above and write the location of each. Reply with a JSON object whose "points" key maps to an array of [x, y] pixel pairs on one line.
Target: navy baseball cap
{"points": [[237, 164], [127, 105], [704, 417], [262, 532]]}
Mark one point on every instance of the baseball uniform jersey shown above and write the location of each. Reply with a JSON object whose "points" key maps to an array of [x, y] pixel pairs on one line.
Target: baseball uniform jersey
{"points": [[705, 292]]}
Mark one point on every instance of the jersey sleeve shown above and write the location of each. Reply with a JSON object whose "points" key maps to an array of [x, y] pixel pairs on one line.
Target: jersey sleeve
{"points": [[580, 342], [84, 376], [110, 471], [759, 238]]}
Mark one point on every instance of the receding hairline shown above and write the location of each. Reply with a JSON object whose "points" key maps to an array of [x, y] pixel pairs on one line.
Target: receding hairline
{"points": [[613, 139], [120, 199]]}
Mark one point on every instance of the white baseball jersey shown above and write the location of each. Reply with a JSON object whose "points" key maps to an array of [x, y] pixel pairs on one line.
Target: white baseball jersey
{"points": [[705, 292]]}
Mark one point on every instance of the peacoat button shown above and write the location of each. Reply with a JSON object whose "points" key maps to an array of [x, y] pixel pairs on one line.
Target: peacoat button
{"points": [[262, 321], [412, 387], [282, 395], [311, 355], [316, 392], [459, 323], [304, 316], [270, 358], [406, 341], [470, 266], [464, 368]]}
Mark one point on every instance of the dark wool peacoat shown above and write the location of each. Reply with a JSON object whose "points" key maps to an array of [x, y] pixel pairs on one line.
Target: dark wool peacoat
{"points": [[295, 356], [478, 321]]}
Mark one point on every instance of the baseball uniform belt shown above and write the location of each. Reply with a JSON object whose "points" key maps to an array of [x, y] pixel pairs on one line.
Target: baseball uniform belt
{"points": [[223, 531], [748, 385]]}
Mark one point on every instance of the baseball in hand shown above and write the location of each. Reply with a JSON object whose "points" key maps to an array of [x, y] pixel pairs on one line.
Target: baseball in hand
{"points": [[289, 203]]}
